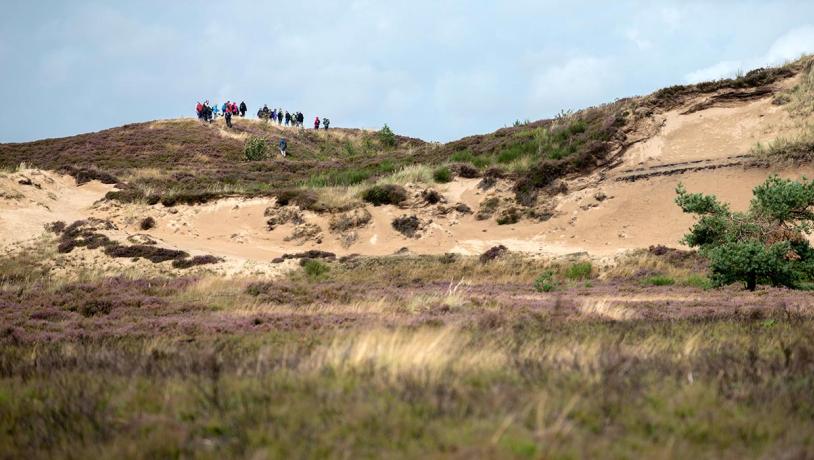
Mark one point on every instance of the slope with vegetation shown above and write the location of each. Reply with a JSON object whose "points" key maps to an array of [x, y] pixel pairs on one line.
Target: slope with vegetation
{"points": [[389, 300]]}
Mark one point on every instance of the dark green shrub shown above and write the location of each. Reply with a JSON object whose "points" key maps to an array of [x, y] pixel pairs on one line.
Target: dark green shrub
{"points": [[387, 137], [546, 282], [385, 194], [314, 268], [579, 271], [462, 156], [442, 175], [255, 148], [658, 280]]}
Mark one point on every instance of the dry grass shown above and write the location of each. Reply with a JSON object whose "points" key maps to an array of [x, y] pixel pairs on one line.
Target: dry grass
{"points": [[412, 174], [426, 354]]}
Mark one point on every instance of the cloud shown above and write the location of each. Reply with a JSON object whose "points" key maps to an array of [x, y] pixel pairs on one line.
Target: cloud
{"points": [[714, 72], [789, 46], [574, 83], [635, 36]]}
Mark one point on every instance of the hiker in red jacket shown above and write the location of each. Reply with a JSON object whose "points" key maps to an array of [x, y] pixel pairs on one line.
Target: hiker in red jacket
{"points": [[316, 123], [199, 110]]}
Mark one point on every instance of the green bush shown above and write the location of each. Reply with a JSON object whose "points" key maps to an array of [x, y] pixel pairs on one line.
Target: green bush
{"points": [[315, 269], [385, 194], [442, 175], [767, 244], [579, 271], [387, 137], [462, 156], [546, 282], [658, 280], [697, 281], [255, 148], [481, 162]]}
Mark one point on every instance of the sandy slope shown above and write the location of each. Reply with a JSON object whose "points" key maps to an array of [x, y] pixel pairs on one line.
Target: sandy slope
{"points": [[634, 214], [25, 208]]}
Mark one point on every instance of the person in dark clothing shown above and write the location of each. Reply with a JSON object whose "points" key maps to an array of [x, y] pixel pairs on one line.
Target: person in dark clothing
{"points": [[325, 123], [283, 146], [287, 118], [243, 109], [280, 117], [228, 115], [300, 118]]}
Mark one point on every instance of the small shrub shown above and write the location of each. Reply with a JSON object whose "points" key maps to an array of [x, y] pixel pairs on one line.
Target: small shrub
{"points": [[55, 227], [147, 223], [546, 282], [658, 280], [509, 217], [197, 260], [255, 149], [387, 137], [407, 225], [431, 196], [698, 281], [305, 199], [442, 175], [385, 194], [465, 170], [487, 208], [314, 268], [493, 253], [463, 156], [579, 271], [350, 220]]}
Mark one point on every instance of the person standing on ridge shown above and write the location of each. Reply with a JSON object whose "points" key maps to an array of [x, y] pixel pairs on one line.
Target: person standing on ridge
{"points": [[300, 119], [215, 111], [279, 116], [283, 146], [243, 109], [316, 122], [228, 116], [287, 118], [199, 110]]}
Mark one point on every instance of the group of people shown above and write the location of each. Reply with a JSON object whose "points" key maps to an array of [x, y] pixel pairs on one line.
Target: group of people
{"points": [[277, 115], [207, 112], [296, 119]]}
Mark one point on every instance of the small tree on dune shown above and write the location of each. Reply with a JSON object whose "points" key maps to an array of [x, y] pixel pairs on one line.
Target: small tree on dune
{"points": [[387, 137], [767, 244]]}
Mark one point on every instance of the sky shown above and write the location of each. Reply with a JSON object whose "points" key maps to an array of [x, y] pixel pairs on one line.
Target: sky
{"points": [[434, 69]]}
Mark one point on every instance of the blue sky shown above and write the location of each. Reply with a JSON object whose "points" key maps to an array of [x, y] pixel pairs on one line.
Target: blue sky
{"points": [[438, 70]]}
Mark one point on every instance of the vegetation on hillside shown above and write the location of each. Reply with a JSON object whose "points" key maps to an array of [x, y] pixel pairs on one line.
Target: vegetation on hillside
{"points": [[184, 161]]}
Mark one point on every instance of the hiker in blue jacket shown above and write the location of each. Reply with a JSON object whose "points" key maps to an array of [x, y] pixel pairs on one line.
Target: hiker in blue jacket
{"points": [[283, 146]]}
